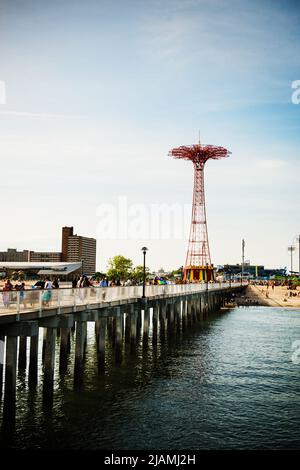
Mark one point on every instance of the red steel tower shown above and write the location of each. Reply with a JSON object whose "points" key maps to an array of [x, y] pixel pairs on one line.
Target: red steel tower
{"points": [[198, 265]]}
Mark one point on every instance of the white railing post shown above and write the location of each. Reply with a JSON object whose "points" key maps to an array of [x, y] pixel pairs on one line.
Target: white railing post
{"points": [[18, 302], [18, 307], [40, 302], [74, 298], [58, 301]]}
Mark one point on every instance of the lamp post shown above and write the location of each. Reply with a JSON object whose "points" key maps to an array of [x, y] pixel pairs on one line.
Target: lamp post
{"points": [[243, 261], [207, 277], [298, 240], [144, 250], [82, 260]]}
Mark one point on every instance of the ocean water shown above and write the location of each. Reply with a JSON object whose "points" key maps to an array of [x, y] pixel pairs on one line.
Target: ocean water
{"points": [[230, 382]]}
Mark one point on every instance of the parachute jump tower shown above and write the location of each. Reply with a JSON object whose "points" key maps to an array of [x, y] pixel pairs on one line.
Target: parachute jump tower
{"points": [[198, 265]]}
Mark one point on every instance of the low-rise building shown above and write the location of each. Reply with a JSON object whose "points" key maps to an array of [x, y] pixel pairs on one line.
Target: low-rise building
{"points": [[75, 249], [13, 255]]}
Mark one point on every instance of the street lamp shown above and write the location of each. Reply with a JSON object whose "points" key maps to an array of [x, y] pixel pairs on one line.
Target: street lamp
{"points": [[82, 260], [144, 250], [298, 240], [243, 261], [206, 277]]}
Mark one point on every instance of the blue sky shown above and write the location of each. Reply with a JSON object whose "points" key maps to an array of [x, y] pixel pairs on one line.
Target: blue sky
{"points": [[98, 92]]}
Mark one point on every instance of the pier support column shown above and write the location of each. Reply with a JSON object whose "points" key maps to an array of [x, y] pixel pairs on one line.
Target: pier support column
{"points": [[194, 310], [49, 359], [22, 352], [109, 328], [198, 308], [33, 361], [189, 311], [9, 405], [184, 314], [64, 348], [138, 323], [1, 362], [101, 344], [206, 305], [10, 369], [44, 343], [97, 328], [127, 327], [81, 329], [162, 321], [123, 324], [177, 311], [146, 325], [113, 331], [133, 327], [118, 339], [154, 323], [170, 316]]}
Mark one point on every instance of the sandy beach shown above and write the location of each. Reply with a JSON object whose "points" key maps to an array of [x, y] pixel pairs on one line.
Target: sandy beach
{"points": [[279, 296]]}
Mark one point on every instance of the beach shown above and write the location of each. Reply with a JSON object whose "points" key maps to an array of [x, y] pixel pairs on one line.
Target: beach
{"points": [[278, 296]]}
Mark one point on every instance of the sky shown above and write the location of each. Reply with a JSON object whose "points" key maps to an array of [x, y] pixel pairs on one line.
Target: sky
{"points": [[94, 94]]}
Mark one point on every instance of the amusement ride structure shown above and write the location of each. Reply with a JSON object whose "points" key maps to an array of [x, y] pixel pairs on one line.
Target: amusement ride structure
{"points": [[198, 265]]}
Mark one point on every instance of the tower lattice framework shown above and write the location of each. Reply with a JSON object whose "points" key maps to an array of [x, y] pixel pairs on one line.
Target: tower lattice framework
{"points": [[198, 264]]}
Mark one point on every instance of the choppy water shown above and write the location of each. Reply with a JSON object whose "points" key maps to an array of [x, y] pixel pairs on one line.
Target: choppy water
{"points": [[230, 383]]}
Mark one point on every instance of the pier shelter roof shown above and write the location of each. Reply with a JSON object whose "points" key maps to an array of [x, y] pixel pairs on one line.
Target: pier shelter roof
{"points": [[41, 268]]}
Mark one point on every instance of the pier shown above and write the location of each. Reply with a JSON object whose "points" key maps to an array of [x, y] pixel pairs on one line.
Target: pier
{"points": [[121, 319]]}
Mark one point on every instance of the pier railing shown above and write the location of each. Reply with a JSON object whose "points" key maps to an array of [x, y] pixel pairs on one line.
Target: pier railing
{"points": [[16, 302]]}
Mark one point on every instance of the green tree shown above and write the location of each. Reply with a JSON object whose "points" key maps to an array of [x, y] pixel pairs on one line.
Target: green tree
{"points": [[98, 275], [138, 273], [177, 273], [119, 267]]}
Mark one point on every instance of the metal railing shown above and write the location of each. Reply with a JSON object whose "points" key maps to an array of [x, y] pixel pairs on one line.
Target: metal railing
{"points": [[17, 302]]}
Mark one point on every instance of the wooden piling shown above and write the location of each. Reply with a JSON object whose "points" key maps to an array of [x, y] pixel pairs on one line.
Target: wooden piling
{"points": [[133, 329], [49, 357], [154, 323], [22, 352], [101, 344], [64, 348], [81, 330], [118, 336], [146, 325], [179, 305], [162, 321], [2, 344], [33, 360], [10, 369], [184, 314], [127, 327], [97, 328]]}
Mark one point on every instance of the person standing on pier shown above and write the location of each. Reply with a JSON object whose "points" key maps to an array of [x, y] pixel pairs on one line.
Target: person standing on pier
{"points": [[6, 295], [47, 291]]}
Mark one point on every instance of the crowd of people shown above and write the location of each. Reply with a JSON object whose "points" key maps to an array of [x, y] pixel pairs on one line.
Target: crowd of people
{"points": [[8, 287]]}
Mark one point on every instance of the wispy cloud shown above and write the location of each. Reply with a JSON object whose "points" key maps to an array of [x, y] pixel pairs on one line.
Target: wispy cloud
{"points": [[35, 115], [272, 164]]}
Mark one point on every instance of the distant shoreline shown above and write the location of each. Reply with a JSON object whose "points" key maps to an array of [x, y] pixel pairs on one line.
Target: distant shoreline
{"points": [[264, 296]]}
